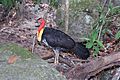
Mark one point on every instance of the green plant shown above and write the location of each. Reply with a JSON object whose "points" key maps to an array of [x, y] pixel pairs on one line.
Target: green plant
{"points": [[8, 3], [94, 43], [60, 22], [104, 18], [117, 35], [54, 3]]}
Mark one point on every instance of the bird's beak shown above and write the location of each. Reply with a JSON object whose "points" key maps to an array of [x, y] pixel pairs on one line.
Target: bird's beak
{"points": [[37, 23]]}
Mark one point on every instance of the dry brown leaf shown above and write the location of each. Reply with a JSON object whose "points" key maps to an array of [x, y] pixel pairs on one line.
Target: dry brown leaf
{"points": [[12, 59], [23, 37]]}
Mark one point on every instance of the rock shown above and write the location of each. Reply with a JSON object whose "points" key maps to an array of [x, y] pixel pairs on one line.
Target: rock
{"points": [[34, 69], [7, 49], [80, 20], [80, 27], [27, 66]]}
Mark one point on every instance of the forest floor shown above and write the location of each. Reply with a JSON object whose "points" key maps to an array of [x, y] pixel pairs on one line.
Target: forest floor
{"points": [[22, 30]]}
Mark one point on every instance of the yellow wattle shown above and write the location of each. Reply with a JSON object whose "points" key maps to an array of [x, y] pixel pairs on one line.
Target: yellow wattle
{"points": [[39, 35]]}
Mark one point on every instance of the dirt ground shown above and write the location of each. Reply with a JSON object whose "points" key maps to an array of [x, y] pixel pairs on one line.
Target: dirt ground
{"points": [[22, 30]]}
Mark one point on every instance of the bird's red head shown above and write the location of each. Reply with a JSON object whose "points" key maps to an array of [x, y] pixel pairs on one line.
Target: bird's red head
{"points": [[40, 28], [42, 24]]}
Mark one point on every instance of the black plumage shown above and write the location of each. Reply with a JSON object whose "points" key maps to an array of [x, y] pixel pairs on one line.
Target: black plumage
{"points": [[59, 41], [81, 51]]}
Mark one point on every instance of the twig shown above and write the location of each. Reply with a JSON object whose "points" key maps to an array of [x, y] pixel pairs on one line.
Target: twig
{"points": [[3, 29], [100, 31], [104, 4], [65, 61], [33, 45], [80, 60]]}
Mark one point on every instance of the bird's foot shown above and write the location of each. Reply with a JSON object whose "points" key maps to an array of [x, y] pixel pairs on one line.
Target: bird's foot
{"points": [[56, 62]]}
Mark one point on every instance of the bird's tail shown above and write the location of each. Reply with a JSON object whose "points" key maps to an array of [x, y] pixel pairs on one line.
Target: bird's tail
{"points": [[81, 51]]}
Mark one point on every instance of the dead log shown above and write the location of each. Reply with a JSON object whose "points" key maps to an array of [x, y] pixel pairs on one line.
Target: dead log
{"points": [[87, 70]]}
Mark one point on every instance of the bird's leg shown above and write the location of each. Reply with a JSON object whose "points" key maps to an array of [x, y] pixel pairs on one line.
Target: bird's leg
{"points": [[56, 57]]}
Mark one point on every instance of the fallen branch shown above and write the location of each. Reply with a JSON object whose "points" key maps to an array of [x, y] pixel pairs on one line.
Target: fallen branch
{"points": [[33, 44], [87, 70]]}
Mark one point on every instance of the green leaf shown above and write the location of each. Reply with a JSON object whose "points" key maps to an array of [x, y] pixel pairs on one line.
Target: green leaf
{"points": [[110, 7], [8, 3], [96, 49], [89, 44], [116, 10], [99, 9], [102, 18], [94, 35], [100, 43], [54, 3], [117, 35]]}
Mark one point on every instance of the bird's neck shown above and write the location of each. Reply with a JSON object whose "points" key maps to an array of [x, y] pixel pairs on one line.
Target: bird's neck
{"points": [[40, 30], [39, 35]]}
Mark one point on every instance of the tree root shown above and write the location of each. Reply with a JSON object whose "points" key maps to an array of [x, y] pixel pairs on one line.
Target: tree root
{"points": [[87, 70]]}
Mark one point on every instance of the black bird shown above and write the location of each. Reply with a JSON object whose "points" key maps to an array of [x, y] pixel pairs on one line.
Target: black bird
{"points": [[59, 41]]}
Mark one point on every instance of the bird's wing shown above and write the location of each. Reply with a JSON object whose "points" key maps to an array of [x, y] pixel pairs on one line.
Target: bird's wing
{"points": [[56, 38]]}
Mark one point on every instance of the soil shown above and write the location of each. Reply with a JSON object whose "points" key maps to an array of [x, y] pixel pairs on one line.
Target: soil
{"points": [[22, 30]]}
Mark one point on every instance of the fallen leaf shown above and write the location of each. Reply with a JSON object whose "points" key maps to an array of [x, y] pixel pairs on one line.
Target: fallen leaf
{"points": [[23, 37], [12, 59]]}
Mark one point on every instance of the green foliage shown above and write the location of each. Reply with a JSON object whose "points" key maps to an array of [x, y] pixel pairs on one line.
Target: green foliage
{"points": [[114, 10], [117, 35], [60, 22], [104, 18], [8, 3], [94, 43], [54, 3], [16, 49]]}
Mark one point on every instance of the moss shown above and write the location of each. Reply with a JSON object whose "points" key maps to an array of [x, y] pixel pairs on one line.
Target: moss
{"points": [[14, 49]]}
